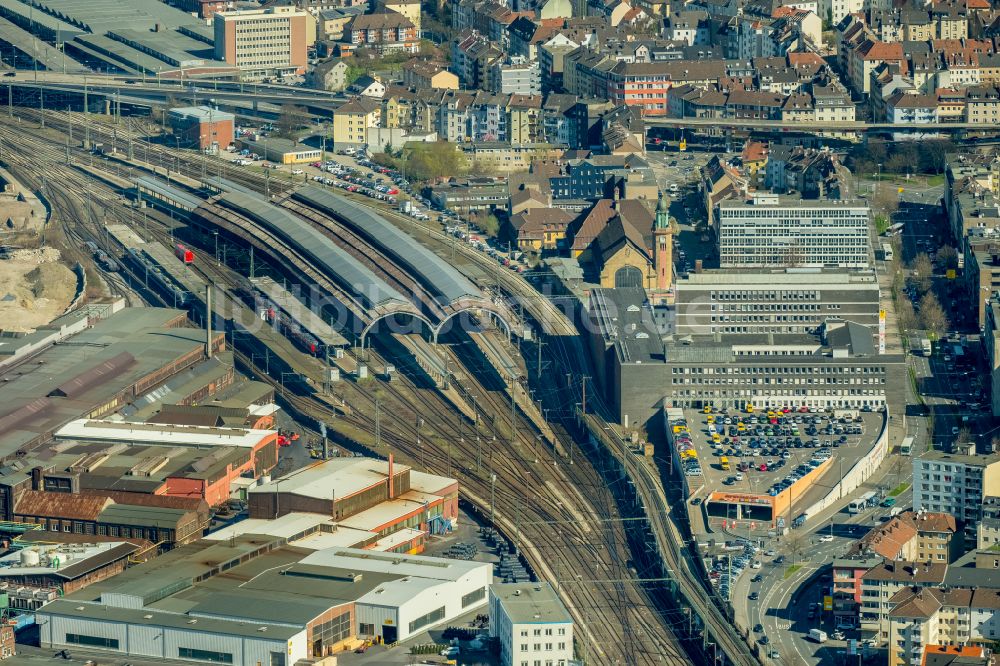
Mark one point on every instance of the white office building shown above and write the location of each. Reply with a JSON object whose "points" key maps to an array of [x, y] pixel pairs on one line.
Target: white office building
{"points": [[777, 232], [532, 625]]}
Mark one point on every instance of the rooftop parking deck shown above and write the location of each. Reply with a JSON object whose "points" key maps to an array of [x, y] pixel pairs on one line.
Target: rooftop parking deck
{"points": [[767, 462]]}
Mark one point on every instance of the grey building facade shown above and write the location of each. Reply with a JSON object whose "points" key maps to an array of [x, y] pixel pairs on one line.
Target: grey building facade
{"points": [[641, 372], [773, 301], [774, 232]]}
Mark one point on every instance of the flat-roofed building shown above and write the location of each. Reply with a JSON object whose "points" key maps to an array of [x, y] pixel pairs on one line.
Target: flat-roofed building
{"points": [[531, 623], [957, 484], [778, 300], [774, 232], [641, 368], [282, 151], [254, 599], [262, 42], [357, 493], [202, 127]]}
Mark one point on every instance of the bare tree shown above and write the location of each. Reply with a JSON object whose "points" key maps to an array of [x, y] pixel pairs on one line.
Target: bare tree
{"points": [[796, 545], [906, 314], [932, 315], [922, 269]]}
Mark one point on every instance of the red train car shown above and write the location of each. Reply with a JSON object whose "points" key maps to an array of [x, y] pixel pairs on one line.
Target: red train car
{"points": [[184, 254]]}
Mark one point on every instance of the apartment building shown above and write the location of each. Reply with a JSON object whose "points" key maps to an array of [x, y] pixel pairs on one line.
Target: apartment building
{"points": [[956, 483], [531, 623], [352, 119], [382, 32], [847, 575], [262, 43], [881, 583], [776, 232], [945, 616]]}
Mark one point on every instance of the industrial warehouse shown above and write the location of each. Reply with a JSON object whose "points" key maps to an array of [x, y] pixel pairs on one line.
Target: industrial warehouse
{"points": [[217, 601]]}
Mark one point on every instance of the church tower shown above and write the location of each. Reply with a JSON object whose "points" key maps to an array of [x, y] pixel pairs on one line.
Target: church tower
{"points": [[663, 248]]}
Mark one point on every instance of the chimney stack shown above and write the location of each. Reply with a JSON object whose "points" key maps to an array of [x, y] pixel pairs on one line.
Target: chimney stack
{"points": [[36, 479], [208, 320], [391, 486]]}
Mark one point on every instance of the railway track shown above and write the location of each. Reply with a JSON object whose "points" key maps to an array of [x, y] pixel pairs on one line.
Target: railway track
{"points": [[586, 558]]}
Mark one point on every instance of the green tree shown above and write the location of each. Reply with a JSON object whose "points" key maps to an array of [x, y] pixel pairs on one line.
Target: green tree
{"points": [[424, 161], [490, 224]]}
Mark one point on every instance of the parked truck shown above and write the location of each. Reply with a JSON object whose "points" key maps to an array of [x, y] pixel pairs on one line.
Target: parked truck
{"points": [[818, 635]]}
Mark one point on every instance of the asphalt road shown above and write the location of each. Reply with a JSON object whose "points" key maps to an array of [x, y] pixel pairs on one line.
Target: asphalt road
{"points": [[785, 598]]}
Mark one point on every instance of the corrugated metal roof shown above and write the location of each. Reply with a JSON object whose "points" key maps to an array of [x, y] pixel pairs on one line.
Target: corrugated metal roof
{"points": [[182, 199], [93, 376], [142, 516], [429, 268], [60, 505], [334, 261], [155, 618], [113, 554]]}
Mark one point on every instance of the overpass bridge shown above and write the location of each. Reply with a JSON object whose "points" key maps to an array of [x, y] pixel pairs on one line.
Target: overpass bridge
{"points": [[143, 89]]}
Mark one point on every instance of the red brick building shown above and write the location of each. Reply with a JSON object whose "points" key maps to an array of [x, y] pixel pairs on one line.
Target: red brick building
{"points": [[202, 127]]}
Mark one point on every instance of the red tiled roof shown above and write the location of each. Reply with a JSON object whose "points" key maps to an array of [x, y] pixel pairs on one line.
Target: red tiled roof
{"points": [[803, 59]]}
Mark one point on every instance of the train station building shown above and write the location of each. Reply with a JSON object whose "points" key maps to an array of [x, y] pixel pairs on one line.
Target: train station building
{"points": [[644, 365]]}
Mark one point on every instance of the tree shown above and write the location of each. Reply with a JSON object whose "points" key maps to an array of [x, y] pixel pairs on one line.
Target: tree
{"points": [[796, 545], [947, 258], [964, 435], [932, 315], [907, 316], [490, 224], [425, 161], [291, 119], [886, 198], [922, 270]]}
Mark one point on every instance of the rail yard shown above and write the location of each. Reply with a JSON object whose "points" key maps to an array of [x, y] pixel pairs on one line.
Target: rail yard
{"points": [[566, 505]]}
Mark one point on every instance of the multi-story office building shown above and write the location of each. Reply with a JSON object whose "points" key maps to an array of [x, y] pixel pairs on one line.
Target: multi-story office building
{"points": [[774, 232], [532, 625], [956, 483], [774, 301], [262, 42], [640, 372]]}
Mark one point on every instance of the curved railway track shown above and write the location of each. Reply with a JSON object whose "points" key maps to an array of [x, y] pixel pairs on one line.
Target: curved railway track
{"points": [[563, 517]]}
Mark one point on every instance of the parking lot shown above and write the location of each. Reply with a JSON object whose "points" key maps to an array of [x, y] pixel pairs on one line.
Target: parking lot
{"points": [[767, 451]]}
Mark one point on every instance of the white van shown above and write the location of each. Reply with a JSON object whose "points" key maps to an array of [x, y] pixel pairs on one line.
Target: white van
{"points": [[818, 635]]}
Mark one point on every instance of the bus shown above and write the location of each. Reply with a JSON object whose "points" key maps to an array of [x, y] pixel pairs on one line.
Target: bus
{"points": [[895, 230], [861, 503], [906, 446], [724, 461], [887, 254]]}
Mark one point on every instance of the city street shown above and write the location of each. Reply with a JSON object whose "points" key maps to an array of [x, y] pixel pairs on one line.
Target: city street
{"points": [[788, 590]]}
